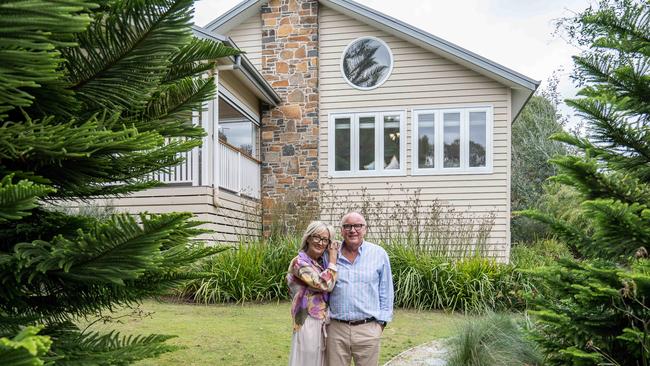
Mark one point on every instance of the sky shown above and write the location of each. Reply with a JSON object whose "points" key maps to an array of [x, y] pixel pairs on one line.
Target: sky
{"points": [[518, 34]]}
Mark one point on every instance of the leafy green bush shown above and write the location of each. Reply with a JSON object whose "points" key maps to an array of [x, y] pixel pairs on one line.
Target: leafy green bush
{"points": [[496, 340], [423, 280], [426, 281], [540, 253], [247, 272]]}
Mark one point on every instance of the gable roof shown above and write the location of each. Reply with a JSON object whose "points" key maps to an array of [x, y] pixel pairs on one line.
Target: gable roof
{"points": [[522, 86]]}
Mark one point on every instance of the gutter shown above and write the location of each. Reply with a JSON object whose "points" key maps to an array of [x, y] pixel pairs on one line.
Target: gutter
{"points": [[242, 64]]}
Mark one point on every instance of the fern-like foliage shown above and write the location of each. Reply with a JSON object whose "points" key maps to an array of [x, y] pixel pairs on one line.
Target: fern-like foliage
{"points": [[17, 200], [94, 97], [106, 349]]}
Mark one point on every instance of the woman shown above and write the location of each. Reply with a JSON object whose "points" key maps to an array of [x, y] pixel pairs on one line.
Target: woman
{"points": [[311, 278]]}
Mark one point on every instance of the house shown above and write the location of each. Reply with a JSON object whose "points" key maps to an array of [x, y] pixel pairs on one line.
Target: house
{"points": [[334, 103]]}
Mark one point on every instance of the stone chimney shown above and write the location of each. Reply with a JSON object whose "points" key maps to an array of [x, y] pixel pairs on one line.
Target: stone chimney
{"points": [[290, 131]]}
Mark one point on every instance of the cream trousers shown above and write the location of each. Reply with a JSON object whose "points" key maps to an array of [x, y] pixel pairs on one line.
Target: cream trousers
{"points": [[308, 344]]}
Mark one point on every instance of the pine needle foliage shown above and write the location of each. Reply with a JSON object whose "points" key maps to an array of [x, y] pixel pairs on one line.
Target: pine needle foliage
{"points": [[597, 311], [94, 97]]}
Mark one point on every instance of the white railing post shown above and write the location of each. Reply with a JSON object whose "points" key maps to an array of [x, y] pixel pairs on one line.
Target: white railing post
{"points": [[239, 177], [207, 149], [195, 170], [216, 179]]}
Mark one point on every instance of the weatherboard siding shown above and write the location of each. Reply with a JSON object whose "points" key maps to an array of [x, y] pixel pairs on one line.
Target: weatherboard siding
{"points": [[231, 217], [419, 80], [248, 37]]}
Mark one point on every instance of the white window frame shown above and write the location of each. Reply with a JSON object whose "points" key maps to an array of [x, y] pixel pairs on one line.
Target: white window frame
{"points": [[382, 81], [464, 139], [379, 144]]}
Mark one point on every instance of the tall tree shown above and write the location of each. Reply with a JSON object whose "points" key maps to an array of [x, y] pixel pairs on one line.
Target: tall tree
{"points": [[531, 151], [598, 311], [94, 97]]}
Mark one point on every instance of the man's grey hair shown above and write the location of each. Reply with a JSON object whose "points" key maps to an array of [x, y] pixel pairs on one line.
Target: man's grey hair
{"points": [[352, 213], [313, 228]]}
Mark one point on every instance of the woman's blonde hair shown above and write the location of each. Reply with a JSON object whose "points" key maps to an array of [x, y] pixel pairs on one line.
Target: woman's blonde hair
{"points": [[313, 228]]}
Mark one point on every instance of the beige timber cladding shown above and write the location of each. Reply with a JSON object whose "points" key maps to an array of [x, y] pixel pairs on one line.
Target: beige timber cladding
{"points": [[233, 218], [244, 95], [248, 37], [420, 79]]}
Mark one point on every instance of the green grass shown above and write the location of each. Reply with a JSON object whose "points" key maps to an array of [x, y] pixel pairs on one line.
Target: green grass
{"points": [[258, 334]]}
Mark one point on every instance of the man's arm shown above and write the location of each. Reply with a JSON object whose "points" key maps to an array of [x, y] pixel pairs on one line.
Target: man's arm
{"points": [[386, 293]]}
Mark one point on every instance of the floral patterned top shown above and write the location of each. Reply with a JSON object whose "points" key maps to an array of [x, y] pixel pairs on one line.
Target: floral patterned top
{"points": [[309, 286]]}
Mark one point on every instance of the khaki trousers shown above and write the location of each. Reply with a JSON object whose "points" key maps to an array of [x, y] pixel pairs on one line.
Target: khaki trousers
{"points": [[359, 342]]}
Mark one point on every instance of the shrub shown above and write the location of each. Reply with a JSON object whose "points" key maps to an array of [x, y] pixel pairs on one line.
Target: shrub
{"points": [[247, 272], [252, 272], [540, 253], [425, 281], [496, 340]]}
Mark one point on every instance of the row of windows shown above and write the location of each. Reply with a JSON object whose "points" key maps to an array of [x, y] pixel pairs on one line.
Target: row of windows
{"points": [[445, 141]]}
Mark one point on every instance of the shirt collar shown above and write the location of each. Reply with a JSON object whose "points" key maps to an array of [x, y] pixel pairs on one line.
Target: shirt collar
{"points": [[360, 246]]}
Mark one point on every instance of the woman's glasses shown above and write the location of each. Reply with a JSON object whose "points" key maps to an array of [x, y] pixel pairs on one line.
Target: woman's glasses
{"points": [[320, 240]]}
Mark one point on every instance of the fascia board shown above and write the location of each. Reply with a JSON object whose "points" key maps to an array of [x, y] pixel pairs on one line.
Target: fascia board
{"points": [[234, 16]]}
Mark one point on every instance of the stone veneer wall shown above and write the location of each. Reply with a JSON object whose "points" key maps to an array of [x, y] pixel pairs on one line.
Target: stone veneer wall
{"points": [[290, 131]]}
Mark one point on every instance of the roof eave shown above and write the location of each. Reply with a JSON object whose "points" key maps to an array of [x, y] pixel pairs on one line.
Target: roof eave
{"points": [[247, 70]]}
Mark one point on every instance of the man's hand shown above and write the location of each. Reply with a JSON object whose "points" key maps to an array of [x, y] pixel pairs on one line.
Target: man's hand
{"points": [[382, 324]]}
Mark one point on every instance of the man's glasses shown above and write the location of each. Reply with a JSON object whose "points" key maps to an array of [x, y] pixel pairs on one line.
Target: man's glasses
{"points": [[320, 240], [349, 227]]}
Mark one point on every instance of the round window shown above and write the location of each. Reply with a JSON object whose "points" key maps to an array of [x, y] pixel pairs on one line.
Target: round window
{"points": [[366, 63]]}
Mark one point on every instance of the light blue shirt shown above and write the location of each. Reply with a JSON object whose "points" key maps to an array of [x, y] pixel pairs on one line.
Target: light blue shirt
{"points": [[364, 288]]}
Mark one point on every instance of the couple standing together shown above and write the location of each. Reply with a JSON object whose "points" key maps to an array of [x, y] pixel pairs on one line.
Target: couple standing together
{"points": [[342, 296]]}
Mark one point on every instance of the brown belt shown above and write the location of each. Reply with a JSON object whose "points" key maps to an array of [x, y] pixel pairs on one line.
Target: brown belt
{"points": [[356, 322]]}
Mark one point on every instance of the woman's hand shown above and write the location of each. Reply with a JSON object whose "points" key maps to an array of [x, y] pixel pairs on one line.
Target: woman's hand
{"points": [[333, 249]]}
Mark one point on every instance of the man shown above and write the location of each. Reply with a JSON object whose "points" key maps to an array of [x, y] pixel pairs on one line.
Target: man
{"points": [[362, 301]]}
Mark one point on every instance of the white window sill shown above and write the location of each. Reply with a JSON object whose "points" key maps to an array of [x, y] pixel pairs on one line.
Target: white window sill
{"points": [[452, 171], [399, 173]]}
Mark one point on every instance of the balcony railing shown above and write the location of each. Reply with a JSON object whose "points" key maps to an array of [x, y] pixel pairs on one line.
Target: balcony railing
{"points": [[237, 171], [183, 173]]}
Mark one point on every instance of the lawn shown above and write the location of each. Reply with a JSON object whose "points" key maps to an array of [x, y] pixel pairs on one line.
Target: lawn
{"points": [[257, 334]]}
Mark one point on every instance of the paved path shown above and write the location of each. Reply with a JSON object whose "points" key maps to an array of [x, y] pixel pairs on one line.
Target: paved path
{"points": [[429, 354]]}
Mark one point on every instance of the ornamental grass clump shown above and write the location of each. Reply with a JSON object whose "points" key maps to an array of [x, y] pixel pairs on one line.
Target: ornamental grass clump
{"points": [[496, 340], [246, 272], [426, 281]]}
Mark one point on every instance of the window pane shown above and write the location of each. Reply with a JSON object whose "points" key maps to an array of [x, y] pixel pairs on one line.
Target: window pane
{"points": [[242, 135], [477, 139], [342, 144], [426, 141], [366, 63], [391, 142], [367, 143], [451, 127]]}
